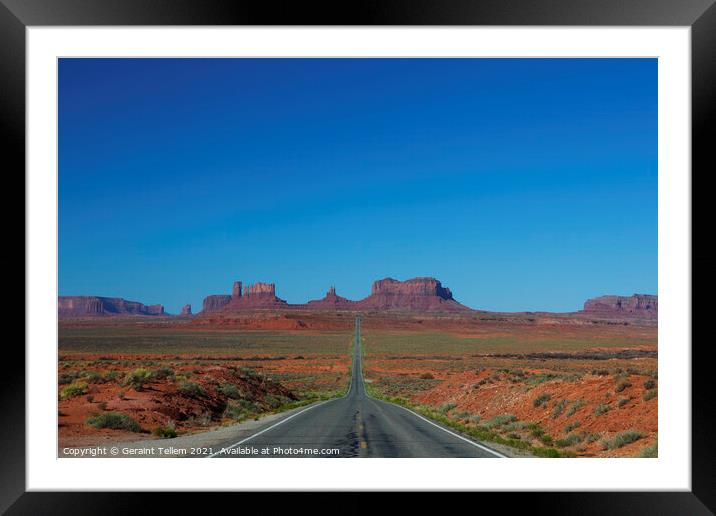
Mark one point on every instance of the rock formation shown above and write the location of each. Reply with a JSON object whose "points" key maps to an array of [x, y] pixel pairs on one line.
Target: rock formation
{"points": [[261, 289], [155, 310], [417, 294], [331, 301], [80, 306], [214, 303], [258, 295], [639, 305], [412, 287]]}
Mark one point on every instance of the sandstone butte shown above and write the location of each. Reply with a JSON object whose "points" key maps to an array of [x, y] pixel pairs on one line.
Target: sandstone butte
{"points": [[72, 306], [643, 304], [417, 295]]}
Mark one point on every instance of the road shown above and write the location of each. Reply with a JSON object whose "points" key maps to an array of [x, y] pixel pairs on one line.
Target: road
{"points": [[355, 425]]}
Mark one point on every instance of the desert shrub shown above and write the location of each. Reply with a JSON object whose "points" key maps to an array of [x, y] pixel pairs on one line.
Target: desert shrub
{"points": [[163, 372], [538, 378], [72, 390], [550, 453], [651, 393], [111, 375], [165, 432], [600, 372], [190, 388], [536, 430], [623, 401], [541, 399], [571, 426], [500, 420], [230, 390], [121, 395], [274, 401], [649, 384], [538, 433], [622, 439], [446, 407], [115, 421], [592, 437], [240, 409], [427, 376], [93, 377], [650, 452], [546, 439], [137, 378], [248, 372], [621, 385], [516, 425], [462, 415], [574, 406], [601, 409], [570, 440], [474, 419], [558, 408], [90, 398], [66, 378]]}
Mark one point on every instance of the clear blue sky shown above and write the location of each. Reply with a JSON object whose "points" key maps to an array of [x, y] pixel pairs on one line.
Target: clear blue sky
{"points": [[522, 184]]}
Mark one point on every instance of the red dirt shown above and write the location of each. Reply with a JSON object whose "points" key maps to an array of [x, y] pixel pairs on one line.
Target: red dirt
{"points": [[502, 397], [160, 403]]}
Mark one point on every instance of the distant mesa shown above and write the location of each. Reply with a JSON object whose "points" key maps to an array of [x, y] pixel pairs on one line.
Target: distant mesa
{"points": [[642, 305], [258, 295], [79, 306], [416, 295], [215, 303]]}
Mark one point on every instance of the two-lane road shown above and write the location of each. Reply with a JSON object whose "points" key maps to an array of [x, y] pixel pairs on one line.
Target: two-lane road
{"points": [[357, 425]]}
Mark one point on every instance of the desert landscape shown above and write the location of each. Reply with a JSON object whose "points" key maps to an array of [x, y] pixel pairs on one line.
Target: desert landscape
{"points": [[578, 384]]}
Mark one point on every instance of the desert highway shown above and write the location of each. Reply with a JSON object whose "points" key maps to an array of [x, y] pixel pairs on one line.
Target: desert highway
{"points": [[356, 425]]}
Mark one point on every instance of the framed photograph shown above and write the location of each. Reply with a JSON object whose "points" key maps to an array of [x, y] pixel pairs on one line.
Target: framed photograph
{"points": [[407, 239]]}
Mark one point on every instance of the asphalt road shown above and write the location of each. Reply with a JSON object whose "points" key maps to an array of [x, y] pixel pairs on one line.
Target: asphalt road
{"points": [[354, 425]]}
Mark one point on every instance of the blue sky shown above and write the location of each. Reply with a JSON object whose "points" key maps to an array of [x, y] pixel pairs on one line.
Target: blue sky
{"points": [[522, 184]]}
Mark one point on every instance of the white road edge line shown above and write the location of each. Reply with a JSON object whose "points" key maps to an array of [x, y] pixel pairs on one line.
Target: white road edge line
{"points": [[482, 447], [226, 448]]}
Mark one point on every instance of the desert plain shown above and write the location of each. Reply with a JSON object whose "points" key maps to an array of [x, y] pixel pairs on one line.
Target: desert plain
{"points": [[545, 385]]}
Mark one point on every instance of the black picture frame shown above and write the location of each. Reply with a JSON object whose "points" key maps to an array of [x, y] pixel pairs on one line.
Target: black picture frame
{"points": [[700, 15]]}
